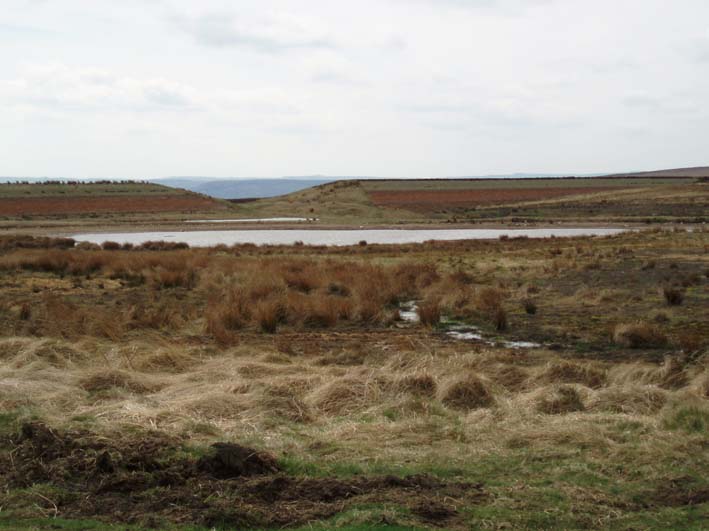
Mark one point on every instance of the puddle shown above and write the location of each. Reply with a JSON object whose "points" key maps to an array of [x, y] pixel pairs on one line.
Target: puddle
{"points": [[521, 344], [467, 334], [408, 313]]}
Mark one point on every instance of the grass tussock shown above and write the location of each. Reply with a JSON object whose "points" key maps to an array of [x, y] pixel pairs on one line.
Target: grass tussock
{"points": [[569, 372], [164, 360], [421, 384], [639, 335], [105, 380], [631, 399], [348, 394], [511, 377], [558, 400], [467, 393]]}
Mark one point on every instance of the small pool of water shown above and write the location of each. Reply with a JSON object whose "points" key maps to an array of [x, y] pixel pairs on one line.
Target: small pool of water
{"points": [[206, 238], [408, 313]]}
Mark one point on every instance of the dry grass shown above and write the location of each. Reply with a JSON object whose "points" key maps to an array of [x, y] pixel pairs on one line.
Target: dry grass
{"points": [[467, 393], [631, 399], [421, 384], [105, 380], [559, 399], [489, 302], [429, 312], [639, 335], [572, 372]]}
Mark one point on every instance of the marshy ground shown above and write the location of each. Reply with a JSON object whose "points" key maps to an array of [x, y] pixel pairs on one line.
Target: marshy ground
{"points": [[260, 387]]}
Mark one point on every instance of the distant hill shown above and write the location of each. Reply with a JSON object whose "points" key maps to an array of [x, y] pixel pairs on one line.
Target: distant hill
{"points": [[699, 171], [243, 188], [52, 198]]}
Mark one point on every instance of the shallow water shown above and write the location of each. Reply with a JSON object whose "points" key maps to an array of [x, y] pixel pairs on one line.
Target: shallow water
{"points": [[408, 313], [207, 238], [251, 220]]}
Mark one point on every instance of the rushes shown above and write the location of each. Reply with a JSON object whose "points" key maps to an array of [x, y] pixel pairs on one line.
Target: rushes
{"points": [[639, 335], [489, 303], [429, 312]]}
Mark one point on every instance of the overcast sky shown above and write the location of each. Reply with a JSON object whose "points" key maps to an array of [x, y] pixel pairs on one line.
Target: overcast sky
{"points": [[392, 88]]}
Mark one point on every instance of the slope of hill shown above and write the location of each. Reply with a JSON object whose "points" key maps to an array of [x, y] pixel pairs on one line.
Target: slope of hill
{"points": [[699, 171], [435, 200], [46, 199]]}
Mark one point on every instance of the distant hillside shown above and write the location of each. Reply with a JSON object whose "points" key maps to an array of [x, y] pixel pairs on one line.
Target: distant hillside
{"points": [[699, 171], [91, 198], [646, 198], [242, 188]]}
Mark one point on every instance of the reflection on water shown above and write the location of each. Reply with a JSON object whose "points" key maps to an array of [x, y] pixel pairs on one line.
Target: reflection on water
{"points": [[206, 238], [251, 220]]}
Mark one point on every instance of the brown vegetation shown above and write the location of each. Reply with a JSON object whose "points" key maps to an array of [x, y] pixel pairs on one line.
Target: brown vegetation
{"points": [[638, 335], [468, 392], [46, 206], [295, 353], [428, 200]]}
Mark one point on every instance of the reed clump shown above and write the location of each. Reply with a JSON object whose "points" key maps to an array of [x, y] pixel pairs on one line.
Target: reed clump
{"points": [[639, 335]]}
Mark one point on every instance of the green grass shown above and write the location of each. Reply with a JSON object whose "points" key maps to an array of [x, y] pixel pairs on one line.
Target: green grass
{"points": [[40, 524], [690, 420]]}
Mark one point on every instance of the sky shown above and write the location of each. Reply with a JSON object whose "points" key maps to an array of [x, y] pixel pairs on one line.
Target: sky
{"points": [[387, 88]]}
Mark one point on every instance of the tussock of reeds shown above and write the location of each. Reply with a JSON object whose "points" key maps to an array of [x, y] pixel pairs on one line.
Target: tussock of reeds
{"points": [[639, 335]]}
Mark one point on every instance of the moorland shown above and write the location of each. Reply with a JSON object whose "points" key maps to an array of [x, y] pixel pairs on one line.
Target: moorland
{"points": [[52, 208], [509, 384]]}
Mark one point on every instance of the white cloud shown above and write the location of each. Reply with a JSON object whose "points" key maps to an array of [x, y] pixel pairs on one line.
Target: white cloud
{"points": [[59, 87], [267, 32]]}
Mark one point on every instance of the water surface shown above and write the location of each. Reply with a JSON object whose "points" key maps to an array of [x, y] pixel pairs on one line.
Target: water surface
{"points": [[205, 238], [249, 220]]}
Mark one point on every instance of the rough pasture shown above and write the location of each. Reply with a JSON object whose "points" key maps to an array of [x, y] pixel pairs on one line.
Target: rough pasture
{"points": [[424, 200]]}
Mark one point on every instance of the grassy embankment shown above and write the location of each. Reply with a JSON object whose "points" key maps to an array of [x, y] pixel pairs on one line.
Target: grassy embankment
{"points": [[140, 359]]}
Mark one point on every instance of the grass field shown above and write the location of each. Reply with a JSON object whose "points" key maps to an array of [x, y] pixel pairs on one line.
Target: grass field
{"points": [[260, 387]]}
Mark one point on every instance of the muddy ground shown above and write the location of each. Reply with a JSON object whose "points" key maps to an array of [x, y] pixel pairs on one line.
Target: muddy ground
{"points": [[149, 479]]}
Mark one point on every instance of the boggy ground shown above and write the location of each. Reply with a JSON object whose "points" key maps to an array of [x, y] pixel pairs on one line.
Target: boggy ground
{"points": [[134, 384]]}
